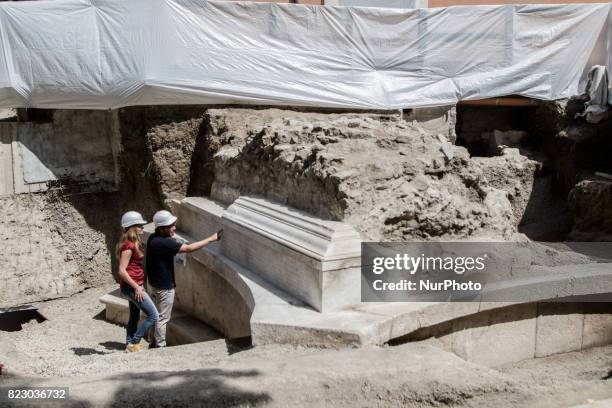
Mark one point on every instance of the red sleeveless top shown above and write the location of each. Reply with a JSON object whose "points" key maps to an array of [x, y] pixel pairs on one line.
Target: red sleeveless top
{"points": [[134, 267]]}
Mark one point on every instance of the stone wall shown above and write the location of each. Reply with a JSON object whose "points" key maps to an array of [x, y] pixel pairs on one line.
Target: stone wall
{"points": [[521, 332], [76, 148]]}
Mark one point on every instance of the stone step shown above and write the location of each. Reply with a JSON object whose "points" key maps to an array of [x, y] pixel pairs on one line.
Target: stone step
{"points": [[607, 403], [182, 328]]}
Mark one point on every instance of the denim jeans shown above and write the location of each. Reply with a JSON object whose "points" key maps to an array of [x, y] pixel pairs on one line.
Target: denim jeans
{"points": [[136, 332]]}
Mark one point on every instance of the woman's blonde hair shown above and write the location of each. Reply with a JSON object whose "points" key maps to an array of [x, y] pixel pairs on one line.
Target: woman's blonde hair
{"points": [[131, 235]]}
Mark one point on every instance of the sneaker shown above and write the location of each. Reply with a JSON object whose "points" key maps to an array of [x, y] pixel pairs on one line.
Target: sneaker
{"points": [[134, 348]]}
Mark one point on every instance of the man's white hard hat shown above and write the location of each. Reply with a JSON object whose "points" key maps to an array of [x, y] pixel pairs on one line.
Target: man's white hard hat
{"points": [[163, 218], [132, 218]]}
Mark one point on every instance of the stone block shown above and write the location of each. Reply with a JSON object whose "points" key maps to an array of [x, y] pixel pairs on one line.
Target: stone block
{"points": [[559, 328], [197, 216], [183, 276], [6, 159], [496, 337], [182, 328], [312, 259], [116, 307], [440, 119], [220, 296], [436, 313], [597, 329], [510, 138]]}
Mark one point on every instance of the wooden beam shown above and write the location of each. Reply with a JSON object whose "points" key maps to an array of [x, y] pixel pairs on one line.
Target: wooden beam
{"points": [[503, 101]]}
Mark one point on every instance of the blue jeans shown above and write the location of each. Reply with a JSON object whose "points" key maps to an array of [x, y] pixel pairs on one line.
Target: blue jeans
{"points": [[135, 332]]}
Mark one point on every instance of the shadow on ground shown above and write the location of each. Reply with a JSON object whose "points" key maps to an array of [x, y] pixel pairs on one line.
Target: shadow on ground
{"points": [[238, 345], [113, 345], [86, 351], [100, 316], [202, 388], [192, 388]]}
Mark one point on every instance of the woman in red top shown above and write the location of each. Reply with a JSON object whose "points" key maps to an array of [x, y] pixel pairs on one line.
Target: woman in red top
{"points": [[131, 280]]}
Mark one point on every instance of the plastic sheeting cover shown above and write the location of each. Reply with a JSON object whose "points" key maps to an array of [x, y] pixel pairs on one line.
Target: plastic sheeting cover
{"points": [[110, 53]]}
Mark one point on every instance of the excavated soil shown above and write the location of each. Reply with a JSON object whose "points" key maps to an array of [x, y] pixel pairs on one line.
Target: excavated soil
{"points": [[75, 347], [50, 249], [591, 205], [392, 179], [387, 177]]}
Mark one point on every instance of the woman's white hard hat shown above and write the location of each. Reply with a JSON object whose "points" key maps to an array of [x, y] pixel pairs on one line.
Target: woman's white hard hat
{"points": [[163, 218], [132, 218]]}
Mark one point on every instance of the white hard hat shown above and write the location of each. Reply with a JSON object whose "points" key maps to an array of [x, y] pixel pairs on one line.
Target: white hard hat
{"points": [[163, 218], [132, 218]]}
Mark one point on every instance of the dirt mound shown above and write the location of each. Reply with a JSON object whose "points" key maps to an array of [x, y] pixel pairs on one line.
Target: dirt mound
{"points": [[389, 178], [49, 250]]}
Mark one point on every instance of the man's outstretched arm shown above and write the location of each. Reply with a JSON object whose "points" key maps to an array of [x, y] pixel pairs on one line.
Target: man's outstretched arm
{"points": [[194, 246]]}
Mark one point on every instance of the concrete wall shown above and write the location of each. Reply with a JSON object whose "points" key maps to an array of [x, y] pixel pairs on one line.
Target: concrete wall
{"points": [[526, 331], [77, 147], [212, 292]]}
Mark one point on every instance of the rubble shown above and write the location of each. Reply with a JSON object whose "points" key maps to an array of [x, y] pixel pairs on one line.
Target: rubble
{"points": [[389, 179]]}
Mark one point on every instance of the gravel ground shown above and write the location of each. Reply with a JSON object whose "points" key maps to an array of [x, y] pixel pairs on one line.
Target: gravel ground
{"points": [[76, 340], [77, 348]]}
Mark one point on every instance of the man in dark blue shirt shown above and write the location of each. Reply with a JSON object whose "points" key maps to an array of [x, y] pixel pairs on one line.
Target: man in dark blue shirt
{"points": [[161, 249]]}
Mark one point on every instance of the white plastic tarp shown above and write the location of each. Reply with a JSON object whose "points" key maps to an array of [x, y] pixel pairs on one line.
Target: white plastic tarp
{"points": [[111, 53]]}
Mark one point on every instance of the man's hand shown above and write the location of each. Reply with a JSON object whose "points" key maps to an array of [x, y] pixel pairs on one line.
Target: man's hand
{"points": [[139, 295], [201, 244]]}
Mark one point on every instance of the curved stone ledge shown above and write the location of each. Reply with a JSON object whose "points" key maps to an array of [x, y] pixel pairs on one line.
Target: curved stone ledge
{"points": [[217, 285]]}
